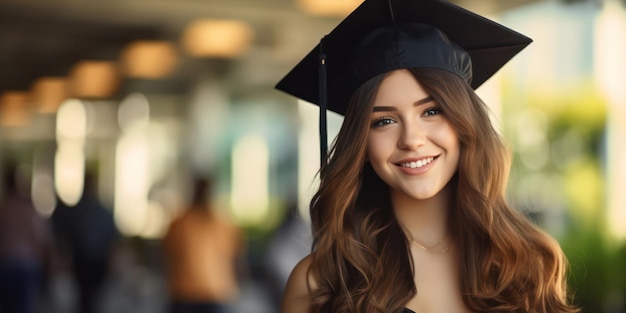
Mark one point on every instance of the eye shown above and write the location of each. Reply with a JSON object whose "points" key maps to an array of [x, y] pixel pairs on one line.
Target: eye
{"points": [[382, 121], [432, 111]]}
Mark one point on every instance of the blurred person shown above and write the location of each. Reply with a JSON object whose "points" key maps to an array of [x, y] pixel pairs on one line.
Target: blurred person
{"points": [[290, 242], [203, 255], [25, 248], [87, 237]]}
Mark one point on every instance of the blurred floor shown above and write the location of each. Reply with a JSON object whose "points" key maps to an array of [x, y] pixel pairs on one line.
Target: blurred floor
{"points": [[140, 290]]}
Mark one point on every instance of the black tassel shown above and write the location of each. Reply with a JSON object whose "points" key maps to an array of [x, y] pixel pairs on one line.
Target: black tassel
{"points": [[323, 98], [393, 18]]}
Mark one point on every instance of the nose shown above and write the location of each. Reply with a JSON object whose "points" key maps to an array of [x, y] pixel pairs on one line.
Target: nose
{"points": [[412, 136]]}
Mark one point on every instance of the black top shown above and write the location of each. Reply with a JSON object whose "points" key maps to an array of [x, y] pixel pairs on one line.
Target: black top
{"points": [[408, 311]]}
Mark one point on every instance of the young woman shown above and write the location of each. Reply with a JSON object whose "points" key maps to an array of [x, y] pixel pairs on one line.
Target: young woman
{"points": [[410, 215]]}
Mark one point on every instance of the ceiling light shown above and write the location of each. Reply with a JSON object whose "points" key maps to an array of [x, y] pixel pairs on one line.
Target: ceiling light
{"points": [[338, 8], [48, 93], [217, 38], [94, 79], [148, 59], [14, 110]]}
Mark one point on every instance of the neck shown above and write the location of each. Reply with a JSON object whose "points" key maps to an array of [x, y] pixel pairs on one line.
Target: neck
{"points": [[424, 220]]}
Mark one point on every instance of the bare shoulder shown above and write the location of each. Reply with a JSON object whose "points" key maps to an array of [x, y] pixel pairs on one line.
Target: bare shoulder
{"points": [[296, 298]]}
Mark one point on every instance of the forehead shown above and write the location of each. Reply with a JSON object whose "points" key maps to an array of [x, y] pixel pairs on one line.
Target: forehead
{"points": [[399, 87]]}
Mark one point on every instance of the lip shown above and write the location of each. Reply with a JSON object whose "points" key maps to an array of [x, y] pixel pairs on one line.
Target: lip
{"points": [[417, 170]]}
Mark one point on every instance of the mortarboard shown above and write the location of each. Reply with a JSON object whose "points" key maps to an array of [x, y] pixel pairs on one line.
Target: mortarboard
{"points": [[385, 35]]}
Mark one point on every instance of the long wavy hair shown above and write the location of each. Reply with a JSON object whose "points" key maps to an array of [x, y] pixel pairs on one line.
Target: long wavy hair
{"points": [[361, 259]]}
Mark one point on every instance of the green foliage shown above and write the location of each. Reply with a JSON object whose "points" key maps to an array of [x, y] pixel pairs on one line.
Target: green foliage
{"points": [[567, 127], [597, 270], [570, 124]]}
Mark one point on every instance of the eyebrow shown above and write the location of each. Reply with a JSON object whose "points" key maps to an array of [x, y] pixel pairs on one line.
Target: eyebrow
{"points": [[390, 108]]}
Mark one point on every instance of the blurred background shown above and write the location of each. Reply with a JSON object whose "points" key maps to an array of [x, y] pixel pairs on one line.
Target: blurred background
{"points": [[120, 106]]}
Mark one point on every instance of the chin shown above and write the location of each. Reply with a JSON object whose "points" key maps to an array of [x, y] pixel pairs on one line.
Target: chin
{"points": [[417, 194], [421, 196]]}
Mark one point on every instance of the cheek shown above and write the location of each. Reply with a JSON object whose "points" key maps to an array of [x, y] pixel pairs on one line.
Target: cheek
{"points": [[452, 144], [446, 137], [444, 133], [456, 155], [376, 148]]}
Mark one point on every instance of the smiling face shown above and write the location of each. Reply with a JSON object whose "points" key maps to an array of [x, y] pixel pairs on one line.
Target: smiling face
{"points": [[411, 145]]}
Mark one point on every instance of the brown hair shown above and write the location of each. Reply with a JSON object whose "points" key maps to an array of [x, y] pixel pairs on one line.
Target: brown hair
{"points": [[361, 260]]}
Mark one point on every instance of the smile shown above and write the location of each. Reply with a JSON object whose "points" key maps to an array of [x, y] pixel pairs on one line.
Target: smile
{"points": [[418, 163]]}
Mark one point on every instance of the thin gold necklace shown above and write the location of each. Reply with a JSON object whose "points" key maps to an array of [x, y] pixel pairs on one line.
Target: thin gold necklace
{"points": [[430, 249]]}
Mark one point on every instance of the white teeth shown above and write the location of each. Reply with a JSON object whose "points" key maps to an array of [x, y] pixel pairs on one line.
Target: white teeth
{"points": [[418, 163]]}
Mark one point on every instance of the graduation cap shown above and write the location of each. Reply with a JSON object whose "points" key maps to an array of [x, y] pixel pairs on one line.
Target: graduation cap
{"points": [[384, 35]]}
